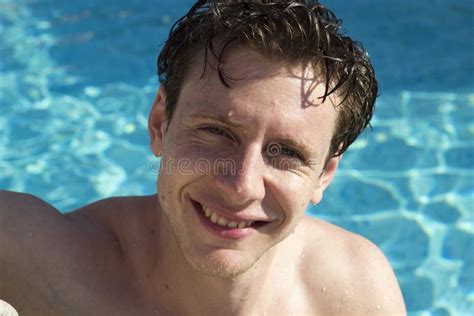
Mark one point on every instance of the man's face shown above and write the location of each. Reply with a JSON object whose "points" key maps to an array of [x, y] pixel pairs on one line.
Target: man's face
{"points": [[250, 157]]}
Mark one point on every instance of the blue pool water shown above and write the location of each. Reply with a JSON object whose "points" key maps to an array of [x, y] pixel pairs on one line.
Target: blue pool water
{"points": [[77, 79]]}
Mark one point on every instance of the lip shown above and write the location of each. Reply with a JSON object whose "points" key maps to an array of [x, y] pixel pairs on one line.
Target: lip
{"points": [[229, 214], [220, 231]]}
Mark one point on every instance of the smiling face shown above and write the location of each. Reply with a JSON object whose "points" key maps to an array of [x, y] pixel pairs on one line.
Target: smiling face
{"points": [[241, 164]]}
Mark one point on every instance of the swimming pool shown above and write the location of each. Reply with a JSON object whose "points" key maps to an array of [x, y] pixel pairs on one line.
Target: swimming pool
{"points": [[77, 79]]}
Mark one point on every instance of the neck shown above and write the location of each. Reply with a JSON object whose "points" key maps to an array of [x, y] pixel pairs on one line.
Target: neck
{"points": [[175, 285]]}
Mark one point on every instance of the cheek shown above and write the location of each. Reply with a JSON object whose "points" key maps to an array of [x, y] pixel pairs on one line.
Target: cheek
{"points": [[296, 193], [166, 180]]}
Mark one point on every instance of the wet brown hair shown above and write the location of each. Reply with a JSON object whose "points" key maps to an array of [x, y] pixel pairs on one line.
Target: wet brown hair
{"points": [[294, 33]]}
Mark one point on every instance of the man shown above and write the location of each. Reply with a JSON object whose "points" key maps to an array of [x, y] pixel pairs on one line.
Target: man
{"points": [[258, 101]]}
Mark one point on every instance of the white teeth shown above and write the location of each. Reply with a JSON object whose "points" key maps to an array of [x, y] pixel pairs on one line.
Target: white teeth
{"points": [[222, 221], [213, 217]]}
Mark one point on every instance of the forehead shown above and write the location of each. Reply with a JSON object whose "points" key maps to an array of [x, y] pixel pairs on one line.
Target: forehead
{"points": [[262, 94]]}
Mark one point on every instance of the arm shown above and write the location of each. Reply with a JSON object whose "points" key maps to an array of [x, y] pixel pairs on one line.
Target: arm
{"points": [[53, 263]]}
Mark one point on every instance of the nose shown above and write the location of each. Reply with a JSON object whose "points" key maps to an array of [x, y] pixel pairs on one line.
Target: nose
{"points": [[241, 179]]}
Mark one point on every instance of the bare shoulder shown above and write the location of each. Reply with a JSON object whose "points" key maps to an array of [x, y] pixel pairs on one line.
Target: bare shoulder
{"points": [[118, 215], [348, 271], [22, 215]]}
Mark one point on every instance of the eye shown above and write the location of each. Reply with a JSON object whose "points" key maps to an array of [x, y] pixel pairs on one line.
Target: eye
{"points": [[215, 130], [275, 150], [286, 151], [291, 153]]}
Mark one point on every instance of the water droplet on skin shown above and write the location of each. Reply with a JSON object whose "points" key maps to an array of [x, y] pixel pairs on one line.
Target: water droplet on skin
{"points": [[324, 289], [230, 113], [378, 306]]}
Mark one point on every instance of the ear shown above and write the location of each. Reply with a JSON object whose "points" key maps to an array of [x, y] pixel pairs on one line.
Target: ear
{"points": [[157, 122], [325, 179]]}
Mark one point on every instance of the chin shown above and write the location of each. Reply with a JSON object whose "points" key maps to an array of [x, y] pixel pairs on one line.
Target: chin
{"points": [[221, 263]]}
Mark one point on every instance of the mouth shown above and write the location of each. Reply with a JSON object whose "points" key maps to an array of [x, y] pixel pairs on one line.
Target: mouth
{"points": [[222, 227]]}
